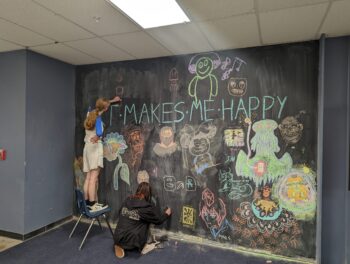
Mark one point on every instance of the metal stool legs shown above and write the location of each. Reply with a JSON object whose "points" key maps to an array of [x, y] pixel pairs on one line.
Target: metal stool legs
{"points": [[76, 224], [109, 227], [88, 231]]}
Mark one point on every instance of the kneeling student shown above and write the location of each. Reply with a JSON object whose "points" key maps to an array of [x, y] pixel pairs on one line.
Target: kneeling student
{"points": [[135, 215]]}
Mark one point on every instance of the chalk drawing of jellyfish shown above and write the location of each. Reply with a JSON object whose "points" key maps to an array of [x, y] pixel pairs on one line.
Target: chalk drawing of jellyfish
{"points": [[113, 146], [264, 167]]}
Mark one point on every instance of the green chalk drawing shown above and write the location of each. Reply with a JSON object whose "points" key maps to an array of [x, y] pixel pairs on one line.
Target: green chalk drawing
{"points": [[204, 68], [264, 167]]}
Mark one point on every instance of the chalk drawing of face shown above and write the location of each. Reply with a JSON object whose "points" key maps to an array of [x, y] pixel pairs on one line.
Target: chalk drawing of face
{"points": [[208, 197], [291, 130], [266, 191], [166, 136], [167, 146], [204, 67], [136, 141], [237, 86], [199, 146]]}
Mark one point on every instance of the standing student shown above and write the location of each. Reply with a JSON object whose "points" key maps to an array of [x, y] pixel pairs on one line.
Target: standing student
{"points": [[135, 215], [93, 151]]}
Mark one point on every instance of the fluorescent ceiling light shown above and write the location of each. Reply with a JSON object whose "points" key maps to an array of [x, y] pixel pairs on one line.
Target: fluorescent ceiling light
{"points": [[152, 13]]}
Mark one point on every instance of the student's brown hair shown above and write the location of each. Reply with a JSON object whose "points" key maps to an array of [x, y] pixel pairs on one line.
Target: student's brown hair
{"points": [[90, 120], [144, 191]]}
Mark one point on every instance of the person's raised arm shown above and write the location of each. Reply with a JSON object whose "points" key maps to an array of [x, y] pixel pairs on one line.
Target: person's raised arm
{"points": [[116, 99]]}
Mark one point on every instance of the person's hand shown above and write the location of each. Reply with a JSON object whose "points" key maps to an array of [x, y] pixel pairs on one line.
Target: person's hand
{"points": [[168, 211], [116, 99], [94, 139]]}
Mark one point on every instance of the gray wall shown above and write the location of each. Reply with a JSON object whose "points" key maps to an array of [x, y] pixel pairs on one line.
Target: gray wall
{"points": [[49, 141], [37, 128], [12, 138], [335, 205]]}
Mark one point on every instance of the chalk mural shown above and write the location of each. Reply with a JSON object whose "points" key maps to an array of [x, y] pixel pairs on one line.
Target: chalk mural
{"points": [[236, 163]]}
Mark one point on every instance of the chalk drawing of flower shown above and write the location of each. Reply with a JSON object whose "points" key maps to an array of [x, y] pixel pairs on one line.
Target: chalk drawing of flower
{"points": [[113, 145]]}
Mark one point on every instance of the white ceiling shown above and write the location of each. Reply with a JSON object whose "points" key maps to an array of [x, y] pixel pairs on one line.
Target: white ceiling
{"points": [[92, 31]]}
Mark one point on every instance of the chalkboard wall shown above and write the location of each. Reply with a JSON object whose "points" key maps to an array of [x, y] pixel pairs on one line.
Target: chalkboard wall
{"points": [[227, 139]]}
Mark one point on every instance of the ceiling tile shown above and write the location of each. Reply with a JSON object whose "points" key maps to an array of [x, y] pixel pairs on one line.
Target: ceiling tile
{"points": [[181, 38], [291, 25], [20, 35], [64, 53], [138, 44], [8, 46], [199, 10], [234, 32], [86, 12], [268, 5], [101, 49], [37, 18], [337, 20]]}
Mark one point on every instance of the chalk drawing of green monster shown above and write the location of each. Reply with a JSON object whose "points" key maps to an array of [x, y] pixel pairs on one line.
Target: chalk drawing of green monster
{"points": [[264, 167], [204, 68]]}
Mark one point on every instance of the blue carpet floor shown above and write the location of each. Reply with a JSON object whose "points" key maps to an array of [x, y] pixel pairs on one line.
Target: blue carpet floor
{"points": [[54, 247]]}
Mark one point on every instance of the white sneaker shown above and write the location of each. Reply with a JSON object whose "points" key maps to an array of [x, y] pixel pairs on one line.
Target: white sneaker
{"points": [[97, 207], [149, 247]]}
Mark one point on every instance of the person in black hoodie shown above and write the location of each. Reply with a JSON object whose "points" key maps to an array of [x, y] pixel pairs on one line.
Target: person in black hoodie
{"points": [[135, 215]]}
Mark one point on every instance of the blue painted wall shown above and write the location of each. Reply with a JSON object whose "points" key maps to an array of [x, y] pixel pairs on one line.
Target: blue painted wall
{"points": [[50, 106], [37, 128], [12, 138]]}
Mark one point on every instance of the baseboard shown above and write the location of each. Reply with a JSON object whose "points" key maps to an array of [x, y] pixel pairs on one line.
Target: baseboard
{"points": [[39, 231]]}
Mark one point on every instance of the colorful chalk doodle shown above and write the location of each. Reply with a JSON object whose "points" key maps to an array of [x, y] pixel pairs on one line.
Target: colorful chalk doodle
{"points": [[174, 112], [171, 184], [235, 189], [167, 146], [113, 146], [135, 138], [142, 176], [78, 173], [203, 68], [234, 137], [188, 216], [264, 167], [173, 80], [237, 86], [264, 207], [236, 65], [291, 130], [296, 192], [213, 214], [274, 235], [199, 147], [190, 184], [235, 163]]}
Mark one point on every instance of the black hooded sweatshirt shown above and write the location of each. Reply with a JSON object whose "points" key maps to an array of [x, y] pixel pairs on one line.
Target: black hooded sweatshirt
{"points": [[135, 215]]}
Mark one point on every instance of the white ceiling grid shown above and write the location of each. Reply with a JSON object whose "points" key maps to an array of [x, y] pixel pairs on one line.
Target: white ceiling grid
{"points": [[93, 31]]}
